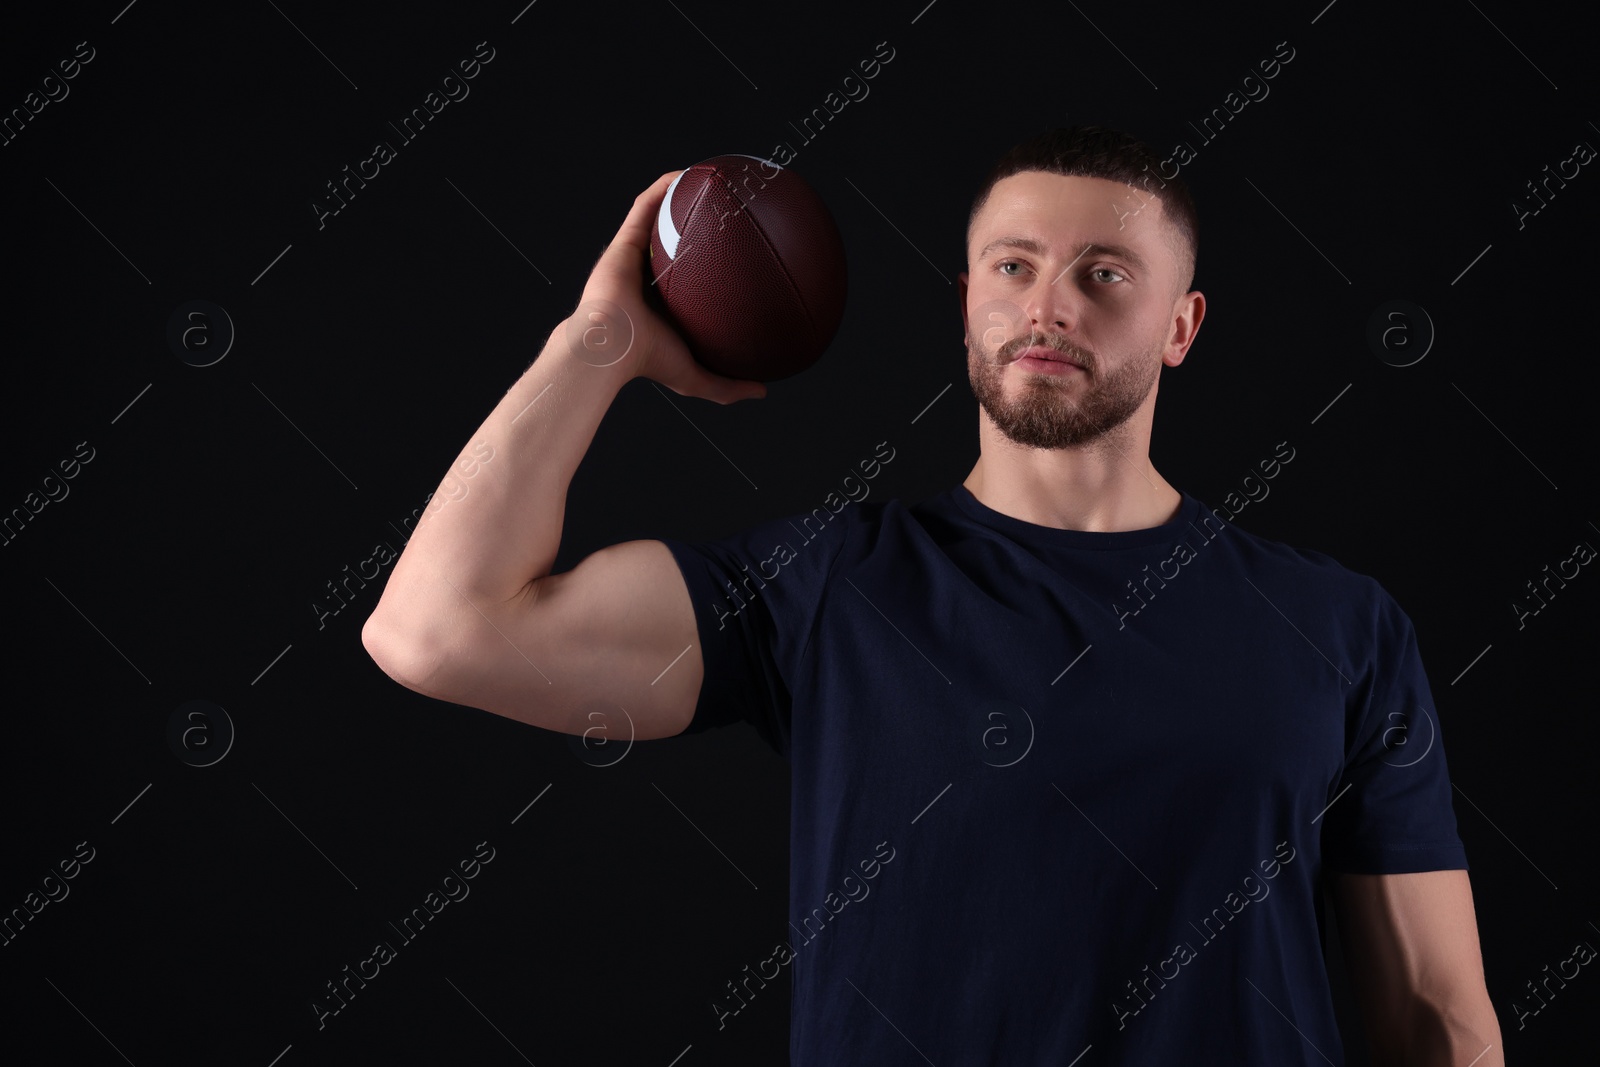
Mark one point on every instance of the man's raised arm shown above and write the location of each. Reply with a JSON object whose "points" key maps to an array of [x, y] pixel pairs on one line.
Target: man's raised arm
{"points": [[471, 612]]}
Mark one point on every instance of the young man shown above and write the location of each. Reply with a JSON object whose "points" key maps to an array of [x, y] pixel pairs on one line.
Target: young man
{"points": [[1072, 755]]}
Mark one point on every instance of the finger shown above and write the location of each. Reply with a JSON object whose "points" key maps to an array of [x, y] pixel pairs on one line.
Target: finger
{"points": [[635, 229]]}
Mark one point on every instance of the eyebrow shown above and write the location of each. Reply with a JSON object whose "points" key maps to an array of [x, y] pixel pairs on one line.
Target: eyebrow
{"points": [[1028, 244]]}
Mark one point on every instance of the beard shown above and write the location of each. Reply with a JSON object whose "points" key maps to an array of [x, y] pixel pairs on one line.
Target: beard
{"points": [[1058, 410]]}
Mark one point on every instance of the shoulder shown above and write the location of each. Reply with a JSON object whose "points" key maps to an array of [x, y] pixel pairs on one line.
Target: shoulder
{"points": [[1306, 574], [803, 545]]}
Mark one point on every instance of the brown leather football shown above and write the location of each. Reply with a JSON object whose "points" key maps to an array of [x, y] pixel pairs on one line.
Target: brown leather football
{"points": [[750, 266]]}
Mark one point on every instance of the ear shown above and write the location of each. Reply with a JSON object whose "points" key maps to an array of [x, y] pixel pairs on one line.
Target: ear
{"points": [[961, 280], [1187, 316]]}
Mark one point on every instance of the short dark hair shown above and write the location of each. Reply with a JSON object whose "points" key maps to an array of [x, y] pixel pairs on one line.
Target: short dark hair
{"points": [[1098, 152]]}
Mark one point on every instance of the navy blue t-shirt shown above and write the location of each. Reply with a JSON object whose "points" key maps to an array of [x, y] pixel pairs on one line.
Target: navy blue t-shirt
{"points": [[1061, 794]]}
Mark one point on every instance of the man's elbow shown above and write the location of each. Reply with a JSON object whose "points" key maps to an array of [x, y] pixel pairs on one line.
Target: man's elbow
{"points": [[396, 653], [1460, 1029], [1472, 1031]]}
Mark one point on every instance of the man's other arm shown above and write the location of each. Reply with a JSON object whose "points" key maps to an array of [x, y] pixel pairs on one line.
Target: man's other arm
{"points": [[1411, 942]]}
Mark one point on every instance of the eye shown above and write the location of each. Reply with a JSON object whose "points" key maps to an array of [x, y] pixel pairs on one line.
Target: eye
{"points": [[1108, 270], [1003, 264]]}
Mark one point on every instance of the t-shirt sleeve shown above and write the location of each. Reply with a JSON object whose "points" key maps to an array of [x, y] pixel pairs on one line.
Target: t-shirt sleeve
{"points": [[1396, 816], [755, 595]]}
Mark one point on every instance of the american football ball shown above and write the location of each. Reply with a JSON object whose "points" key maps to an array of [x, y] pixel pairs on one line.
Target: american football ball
{"points": [[750, 266]]}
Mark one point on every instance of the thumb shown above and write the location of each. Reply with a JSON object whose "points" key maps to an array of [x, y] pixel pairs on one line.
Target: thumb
{"points": [[732, 390]]}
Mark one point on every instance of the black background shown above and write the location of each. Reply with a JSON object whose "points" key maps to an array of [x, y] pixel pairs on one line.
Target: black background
{"points": [[185, 561]]}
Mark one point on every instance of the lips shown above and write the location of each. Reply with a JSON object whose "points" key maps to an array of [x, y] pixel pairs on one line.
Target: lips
{"points": [[1041, 352]]}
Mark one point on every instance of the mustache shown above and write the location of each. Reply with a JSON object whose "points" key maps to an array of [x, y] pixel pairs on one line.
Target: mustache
{"points": [[1013, 348]]}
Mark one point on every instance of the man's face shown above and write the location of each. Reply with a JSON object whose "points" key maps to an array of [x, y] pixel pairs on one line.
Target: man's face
{"points": [[1086, 268]]}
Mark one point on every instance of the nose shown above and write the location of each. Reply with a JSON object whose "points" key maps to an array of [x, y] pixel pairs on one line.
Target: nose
{"points": [[1051, 305]]}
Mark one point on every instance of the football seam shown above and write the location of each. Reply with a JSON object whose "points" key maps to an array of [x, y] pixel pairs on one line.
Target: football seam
{"points": [[673, 260], [794, 290]]}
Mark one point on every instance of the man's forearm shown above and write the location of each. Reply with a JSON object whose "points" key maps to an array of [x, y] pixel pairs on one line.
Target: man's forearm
{"points": [[486, 536]]}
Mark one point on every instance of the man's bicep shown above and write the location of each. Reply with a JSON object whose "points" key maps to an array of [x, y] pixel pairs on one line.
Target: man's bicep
{"points": [[1409, 936]]}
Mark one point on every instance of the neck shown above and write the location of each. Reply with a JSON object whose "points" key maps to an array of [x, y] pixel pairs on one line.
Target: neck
{"points": [[1105, 486]]}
